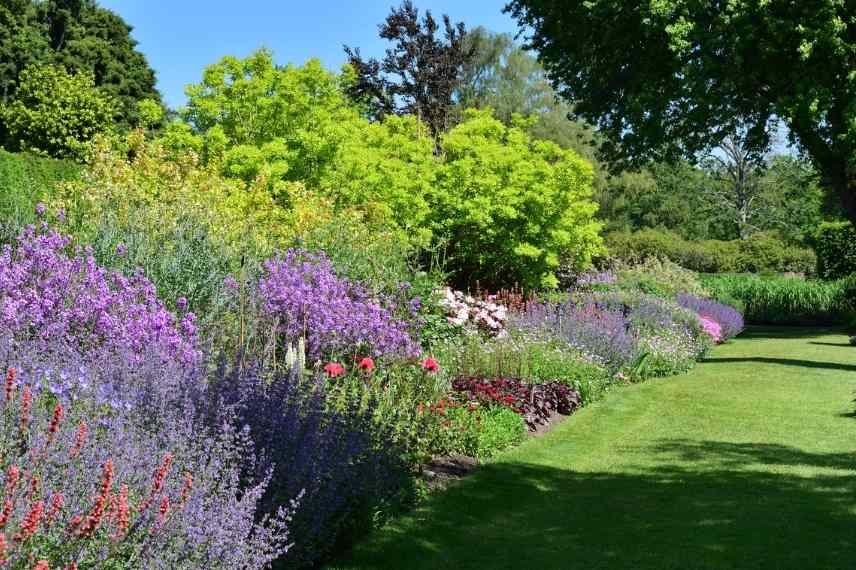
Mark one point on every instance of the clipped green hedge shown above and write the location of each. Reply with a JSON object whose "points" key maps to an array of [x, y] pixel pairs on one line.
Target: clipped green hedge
{"points": [[762, 253], [26, 179], [835, 245]]}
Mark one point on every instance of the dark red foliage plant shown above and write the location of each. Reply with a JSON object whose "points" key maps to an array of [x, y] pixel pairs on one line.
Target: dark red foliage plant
{"points": [[537, 403]]}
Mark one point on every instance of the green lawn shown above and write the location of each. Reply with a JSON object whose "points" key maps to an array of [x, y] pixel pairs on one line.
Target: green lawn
{"points": [[749, 461]]}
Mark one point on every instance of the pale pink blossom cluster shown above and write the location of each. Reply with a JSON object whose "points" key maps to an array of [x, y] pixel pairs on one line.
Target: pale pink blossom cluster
{"points": [[466, 310], [712, 328]]}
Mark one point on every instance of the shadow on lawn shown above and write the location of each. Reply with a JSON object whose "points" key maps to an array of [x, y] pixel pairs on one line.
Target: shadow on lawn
{"points": [[785, 361], [758, 332], [709, 508]]}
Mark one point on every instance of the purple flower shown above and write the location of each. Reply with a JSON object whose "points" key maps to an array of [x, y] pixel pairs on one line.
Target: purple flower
{"points": [[120, 249], [302, 297], [40, 209], [729, 319]]}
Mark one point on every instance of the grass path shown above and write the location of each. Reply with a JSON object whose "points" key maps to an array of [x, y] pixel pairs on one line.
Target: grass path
{"points": [[749, 461]]}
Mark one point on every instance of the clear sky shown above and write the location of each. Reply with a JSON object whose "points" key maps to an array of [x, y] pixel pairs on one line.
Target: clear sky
{"points": [[181, 37]]}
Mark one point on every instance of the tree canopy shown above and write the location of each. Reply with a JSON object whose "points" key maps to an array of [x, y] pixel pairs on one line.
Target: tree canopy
{"points": [[673, 78], [82, 37]]}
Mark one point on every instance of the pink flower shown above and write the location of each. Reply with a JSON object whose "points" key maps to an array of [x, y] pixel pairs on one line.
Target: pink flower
{"points": [[366, 364], [334, 369], [430, 365], [711, 328]]}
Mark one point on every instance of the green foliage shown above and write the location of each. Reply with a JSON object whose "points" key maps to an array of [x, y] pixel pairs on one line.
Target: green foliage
{"points": [[835, 245], [530, 359], [25, 181], [56, 112], [480, 432], [660, 277], [288, 120], [503, 207], [761, 253], [781, 300], [387, 171], [82, 37], [673, 97], [509, 207]]}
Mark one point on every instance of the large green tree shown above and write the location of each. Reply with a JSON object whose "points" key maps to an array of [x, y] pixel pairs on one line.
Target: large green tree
{"points": [[81, 36], [671, 78]]}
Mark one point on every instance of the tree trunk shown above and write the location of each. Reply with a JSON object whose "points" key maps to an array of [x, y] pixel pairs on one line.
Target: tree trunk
{"points": [[848, 193]]}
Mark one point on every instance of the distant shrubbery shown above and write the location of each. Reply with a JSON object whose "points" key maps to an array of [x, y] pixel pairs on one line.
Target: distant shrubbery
{"points": [[760, 253], [835, 244]]}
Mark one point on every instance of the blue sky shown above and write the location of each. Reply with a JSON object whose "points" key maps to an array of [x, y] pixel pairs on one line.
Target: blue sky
{"points": [[181, 37]]}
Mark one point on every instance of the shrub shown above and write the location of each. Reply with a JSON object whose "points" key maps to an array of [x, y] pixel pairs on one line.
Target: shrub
{"points": [[659, 277], [762, 252], [500, 428], [510, 207], [467, 311], [27, 180], [835, 245], [536, 403], [727, 317], [57, 112], [321, 442], [781, 300]]}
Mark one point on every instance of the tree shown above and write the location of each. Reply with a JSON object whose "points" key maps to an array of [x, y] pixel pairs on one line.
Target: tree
{"points": [[289, 121], [56, 112], [81, 36], [735, 184], [673, 78], [419, 73]]}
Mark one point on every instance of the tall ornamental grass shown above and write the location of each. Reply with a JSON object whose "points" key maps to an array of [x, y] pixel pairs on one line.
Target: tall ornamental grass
{"points": [[782, 300]]}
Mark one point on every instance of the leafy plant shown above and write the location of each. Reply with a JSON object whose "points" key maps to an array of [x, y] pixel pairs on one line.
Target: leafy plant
{"points": [[56, 112], [536, 403], [835, 245], [781, 300]]}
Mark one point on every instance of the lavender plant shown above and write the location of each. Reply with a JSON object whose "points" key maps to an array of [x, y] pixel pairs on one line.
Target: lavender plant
{"points": [[89, 485], [729, 319], [602, 334], [322, 441]]}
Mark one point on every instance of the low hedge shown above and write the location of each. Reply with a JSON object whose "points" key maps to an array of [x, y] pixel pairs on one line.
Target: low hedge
{"points": [[763, 252]]}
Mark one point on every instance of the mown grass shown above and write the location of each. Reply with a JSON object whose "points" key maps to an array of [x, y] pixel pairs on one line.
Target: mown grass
{"points": [[749, 461]]}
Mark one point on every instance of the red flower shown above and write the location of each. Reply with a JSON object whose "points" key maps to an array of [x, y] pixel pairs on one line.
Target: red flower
{"points": [[55, 421], [122, 513], [26, 406], [10, 383], [41, 565], [334, 369], [366, 364], [157, 482], [430, 365], [56, 504], [80, 439], [30, 524], [185, 490]]}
